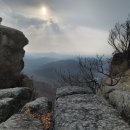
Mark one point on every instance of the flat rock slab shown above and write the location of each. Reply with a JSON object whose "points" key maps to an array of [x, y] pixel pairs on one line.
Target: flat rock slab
{"points": [[40, 106], [19, 93], [7, 108], [86, 112], [71, 90], [21, 122]]}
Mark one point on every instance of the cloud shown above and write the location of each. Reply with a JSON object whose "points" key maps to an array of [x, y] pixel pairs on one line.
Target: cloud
{"points": [[79, 40], [74, 25], [22, 21], [91, 13]]}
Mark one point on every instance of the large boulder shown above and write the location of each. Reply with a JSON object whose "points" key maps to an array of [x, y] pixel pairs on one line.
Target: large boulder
{"points": [[77, 111], [12, 42], [121, 100], [21, 122]]}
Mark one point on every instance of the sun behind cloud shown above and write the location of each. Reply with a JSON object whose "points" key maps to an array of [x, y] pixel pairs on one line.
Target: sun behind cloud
{"points": [[45, 12]]}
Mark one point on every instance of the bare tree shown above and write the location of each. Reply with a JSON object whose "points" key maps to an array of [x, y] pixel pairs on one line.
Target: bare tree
{"points": [[92, 70], [86, 77], [119, 39], [108, 72]]}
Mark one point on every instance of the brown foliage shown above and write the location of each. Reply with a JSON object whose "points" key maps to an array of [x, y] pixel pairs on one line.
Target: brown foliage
{"points": [[46, 119]]}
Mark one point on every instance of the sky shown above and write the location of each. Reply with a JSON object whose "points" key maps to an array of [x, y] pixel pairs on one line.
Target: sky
{"points": [[65, 26]]}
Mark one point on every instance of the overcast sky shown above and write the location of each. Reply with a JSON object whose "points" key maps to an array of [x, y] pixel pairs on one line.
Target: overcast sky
{"points": [[65, 26]]}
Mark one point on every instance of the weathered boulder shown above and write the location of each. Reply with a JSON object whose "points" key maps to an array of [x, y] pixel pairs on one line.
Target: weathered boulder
{"points": [[121, 100], [12, 42], [11, 100], [17, 93], [7, 108], [67, 90], [86, 112], [40, 106], [21, 122]]}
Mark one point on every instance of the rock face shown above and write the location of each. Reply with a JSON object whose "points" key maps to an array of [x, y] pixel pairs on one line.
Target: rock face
{"points": [[21, 122], [11, 56], [86, 112], [11, 100]]}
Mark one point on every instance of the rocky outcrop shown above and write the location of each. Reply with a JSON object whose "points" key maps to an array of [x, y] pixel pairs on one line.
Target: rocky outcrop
{"points": [[11, 100], [12, 42], [86, 112], [35, 115], [21, 122]]}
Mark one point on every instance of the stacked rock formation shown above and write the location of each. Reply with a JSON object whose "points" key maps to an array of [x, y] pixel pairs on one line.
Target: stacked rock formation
{"points": [[12, 42]]}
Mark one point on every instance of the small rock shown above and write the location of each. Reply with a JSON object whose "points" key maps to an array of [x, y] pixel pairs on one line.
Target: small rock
{"points": [[39, 106]]}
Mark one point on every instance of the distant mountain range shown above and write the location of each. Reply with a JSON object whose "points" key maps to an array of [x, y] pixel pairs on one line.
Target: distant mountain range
{"points": [[43, 68]]}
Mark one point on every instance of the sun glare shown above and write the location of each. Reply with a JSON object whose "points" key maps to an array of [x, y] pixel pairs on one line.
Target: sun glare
{"points": [[44, 10]]}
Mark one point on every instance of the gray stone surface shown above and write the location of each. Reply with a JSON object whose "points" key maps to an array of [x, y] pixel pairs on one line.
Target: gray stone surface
{"points": [[12, 42], [18, 93], [86, 112], [70, 90], [7, 108], [11, 100], [21, 122], [121, 101], [106, 90], [39, 106]]}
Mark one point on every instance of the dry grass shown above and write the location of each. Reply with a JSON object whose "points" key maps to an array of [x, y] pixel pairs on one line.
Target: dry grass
{"points": [[46, 119]]}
